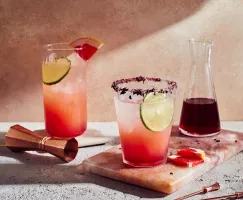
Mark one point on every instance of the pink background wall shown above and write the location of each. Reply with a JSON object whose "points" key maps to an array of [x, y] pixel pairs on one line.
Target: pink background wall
{"points": [[142, 37]]}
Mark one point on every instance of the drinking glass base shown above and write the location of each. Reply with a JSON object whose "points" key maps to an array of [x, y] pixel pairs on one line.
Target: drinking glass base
{"points": [[197, 134], [60, 137], [144, 165]]}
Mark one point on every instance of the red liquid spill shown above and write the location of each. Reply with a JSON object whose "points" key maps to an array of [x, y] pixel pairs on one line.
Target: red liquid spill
{"points": [[200, 116], [86, 52]]}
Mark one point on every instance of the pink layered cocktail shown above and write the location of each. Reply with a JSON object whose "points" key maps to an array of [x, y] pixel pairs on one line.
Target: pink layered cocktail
{"points": [[144, 116], [64, 86], [65, 102]]}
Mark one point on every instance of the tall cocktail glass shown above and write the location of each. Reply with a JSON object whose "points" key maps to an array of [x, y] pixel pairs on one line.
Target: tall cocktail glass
{"points": [[144, 110], [64, 90]]}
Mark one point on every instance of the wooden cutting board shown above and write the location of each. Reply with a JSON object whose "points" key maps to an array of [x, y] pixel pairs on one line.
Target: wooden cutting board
{"points": [[166, 178]]}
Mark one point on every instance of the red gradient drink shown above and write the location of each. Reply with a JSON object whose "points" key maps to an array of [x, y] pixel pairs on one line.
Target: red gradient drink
{"points": [[142, 147], [64, 86], [144, 119], [65, 103]]}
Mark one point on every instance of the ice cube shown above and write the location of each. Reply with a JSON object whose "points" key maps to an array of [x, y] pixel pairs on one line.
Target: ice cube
{"points": [[136, 98], [56, 88], [52, 57], [68, 89], [125, 97], [129, 97], [75, 59]]}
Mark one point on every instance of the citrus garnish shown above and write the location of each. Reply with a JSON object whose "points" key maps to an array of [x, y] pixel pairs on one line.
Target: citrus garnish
{"points": [[88, 47], [191, 153], [156, 111], [53, 72], [184, 161]]}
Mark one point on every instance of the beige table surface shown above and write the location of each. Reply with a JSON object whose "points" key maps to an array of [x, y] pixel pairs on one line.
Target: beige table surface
{"points": [[42, 176]]}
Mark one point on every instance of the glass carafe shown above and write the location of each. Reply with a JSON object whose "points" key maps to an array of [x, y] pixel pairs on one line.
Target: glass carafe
{"points": [[200, 116]]}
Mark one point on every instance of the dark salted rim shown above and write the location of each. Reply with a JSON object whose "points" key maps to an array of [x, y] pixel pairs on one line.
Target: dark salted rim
{"points": [[171, 85]]}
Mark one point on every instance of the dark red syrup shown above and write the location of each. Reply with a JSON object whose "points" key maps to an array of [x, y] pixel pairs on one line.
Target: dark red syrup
{"points": [[200, 116]]}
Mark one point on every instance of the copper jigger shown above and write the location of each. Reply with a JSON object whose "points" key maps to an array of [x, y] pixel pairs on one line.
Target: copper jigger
{"points": [[20, 139]]}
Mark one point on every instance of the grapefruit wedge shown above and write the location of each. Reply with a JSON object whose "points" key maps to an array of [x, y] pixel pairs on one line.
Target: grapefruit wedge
{"points": [[191, 153], [184, 161], [87, 47]]}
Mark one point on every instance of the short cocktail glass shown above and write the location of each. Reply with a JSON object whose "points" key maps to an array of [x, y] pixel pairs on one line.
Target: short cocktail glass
{"points": [[64, 92], [144, 110]]}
